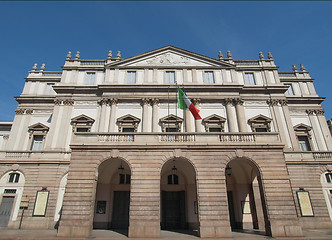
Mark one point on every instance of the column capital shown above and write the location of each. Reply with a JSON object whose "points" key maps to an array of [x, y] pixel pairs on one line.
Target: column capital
{"points": [[113, 101], [103, 101], [29, 111], [310, 111], [19, 111], [238, 101], [272, 102], [6, 137], [145, 101], [196, 101], [283, 102], [57, 101], [228, 101], [155, 101], [68, 102], [320, 111]]}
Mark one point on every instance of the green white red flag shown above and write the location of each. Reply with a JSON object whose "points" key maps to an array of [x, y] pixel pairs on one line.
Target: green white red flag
{"points": [[184, 103]]}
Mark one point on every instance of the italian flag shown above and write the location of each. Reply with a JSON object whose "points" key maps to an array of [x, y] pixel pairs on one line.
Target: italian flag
{"points": [[184, 103]]}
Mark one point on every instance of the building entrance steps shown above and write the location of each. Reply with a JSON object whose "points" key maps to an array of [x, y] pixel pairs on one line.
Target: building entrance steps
{"points": [[312, 234]]}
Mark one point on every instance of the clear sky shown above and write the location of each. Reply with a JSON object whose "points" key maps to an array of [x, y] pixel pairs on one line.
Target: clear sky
{"points": [[43, 32]]}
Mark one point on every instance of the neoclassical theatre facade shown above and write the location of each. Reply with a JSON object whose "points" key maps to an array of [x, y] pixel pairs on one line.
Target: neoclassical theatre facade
{"points": [[102, 145]]}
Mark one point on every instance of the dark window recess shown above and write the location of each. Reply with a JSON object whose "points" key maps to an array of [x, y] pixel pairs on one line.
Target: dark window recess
{"points": [[128, 129], [82, 129], [173, 179], [328, 177], [214, 129], [304, 143], [261, 130], [171, 130], [124, 178], [14, 177], [10, 191]]}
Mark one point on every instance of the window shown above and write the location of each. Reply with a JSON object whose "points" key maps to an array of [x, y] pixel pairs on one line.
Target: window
{"points": [[128, 123], [249, 79], [124, 178], [173, 179], [37, 135], [37, 143], [214, 123], [208, 78], [131, 77], [302, 132], [170, 77], [90, 78], [171, 123], [304, 143], [14, 177], [289, 90], [82, 123], [328, 177], [260, 123]]}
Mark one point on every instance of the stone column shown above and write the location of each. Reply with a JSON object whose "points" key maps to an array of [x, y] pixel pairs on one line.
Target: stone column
{"points": [[273, 103], [155, 114], [198, 123], [103, 102], [113, 103], [316, 130], [55, 122], [145, 118], [231, 118], [290, 128], [241, 119], [324, 128], [64, 130], [19, 130]]}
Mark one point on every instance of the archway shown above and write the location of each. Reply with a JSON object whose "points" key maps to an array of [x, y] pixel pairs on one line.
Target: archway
{"points": [[113, 196], [179, 208], [246, 203]]}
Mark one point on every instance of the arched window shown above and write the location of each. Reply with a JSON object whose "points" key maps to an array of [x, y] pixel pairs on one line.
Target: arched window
{"points": [[173, 179], [14, 177], [328, 177]]}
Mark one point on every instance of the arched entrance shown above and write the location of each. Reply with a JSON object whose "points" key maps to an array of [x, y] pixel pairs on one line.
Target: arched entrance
{"points": [[179, 208], [246, 203], [112, 196]]}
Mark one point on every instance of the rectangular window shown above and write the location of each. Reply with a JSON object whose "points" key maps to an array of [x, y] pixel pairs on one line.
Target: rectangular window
{"points": [[170, 77], [90, 78], [304, 143], [37, 143], [208, 78], [124, 178], [131, 77], [289, 90], [249, 79]]}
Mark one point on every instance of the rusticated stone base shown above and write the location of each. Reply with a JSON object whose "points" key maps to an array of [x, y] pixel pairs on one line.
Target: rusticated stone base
{"points": [[286, 229], [144, 229], [74, 231], [211, 229]]}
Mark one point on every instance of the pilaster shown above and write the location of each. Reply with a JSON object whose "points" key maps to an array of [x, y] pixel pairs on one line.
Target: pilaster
{"points": [[316, 130], [289, 124], [324, 128], [103, 102], [198, 123], [112, 119], [241, 119], [231, 117], [155, 114], [145, 117]]}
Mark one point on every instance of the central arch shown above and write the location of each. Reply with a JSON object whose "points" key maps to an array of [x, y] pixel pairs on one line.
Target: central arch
{"points": [[246, 202], [113, 196], [179, 211]]}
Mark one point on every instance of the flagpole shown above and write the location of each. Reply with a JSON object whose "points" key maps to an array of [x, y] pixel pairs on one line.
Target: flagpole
{"points": [[176, 103], [168, 106]]}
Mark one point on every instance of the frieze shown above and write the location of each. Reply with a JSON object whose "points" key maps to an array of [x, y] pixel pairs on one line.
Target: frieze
{"points": [[255, 103]]}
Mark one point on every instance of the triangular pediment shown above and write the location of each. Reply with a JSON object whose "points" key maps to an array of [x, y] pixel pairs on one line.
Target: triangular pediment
{"points": [[38, 127], [169, 57], [171, 118], [128, 118], [214, 118], [82, 118], [260, 118], [302, 127]]}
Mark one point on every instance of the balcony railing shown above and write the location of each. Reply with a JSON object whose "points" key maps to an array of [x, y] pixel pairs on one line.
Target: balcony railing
{"points": [[169, 138], [287, 74], [92, 62], [322, 155], [246, 62]]}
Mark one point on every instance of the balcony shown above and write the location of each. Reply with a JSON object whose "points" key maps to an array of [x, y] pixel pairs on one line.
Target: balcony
{"points": [[46, 155], [176, 139]]}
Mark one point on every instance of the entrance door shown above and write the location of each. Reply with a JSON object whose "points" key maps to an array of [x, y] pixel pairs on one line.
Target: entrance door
{"points": [[5, 210], [173, 210], [120, 217]]}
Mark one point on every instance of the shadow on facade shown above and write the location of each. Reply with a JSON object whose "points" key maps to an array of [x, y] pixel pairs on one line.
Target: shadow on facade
{"points": [[179, 210], [246, 203]]}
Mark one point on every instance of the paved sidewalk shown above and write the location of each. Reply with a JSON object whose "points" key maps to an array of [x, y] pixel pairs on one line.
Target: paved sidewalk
{"points": [[314, 234]]}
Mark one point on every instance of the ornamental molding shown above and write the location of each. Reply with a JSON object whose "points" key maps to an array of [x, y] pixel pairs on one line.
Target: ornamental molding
{"points": [[283, 102], [272, 102], [196, 101], [155, 101], [238, 101], [19, 111]]}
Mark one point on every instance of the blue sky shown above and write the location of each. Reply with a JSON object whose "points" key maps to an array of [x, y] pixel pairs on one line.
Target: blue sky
{"points": [[43, 32]]}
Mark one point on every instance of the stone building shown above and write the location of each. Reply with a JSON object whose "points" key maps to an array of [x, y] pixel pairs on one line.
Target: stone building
{"points": [[102, 144]]}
